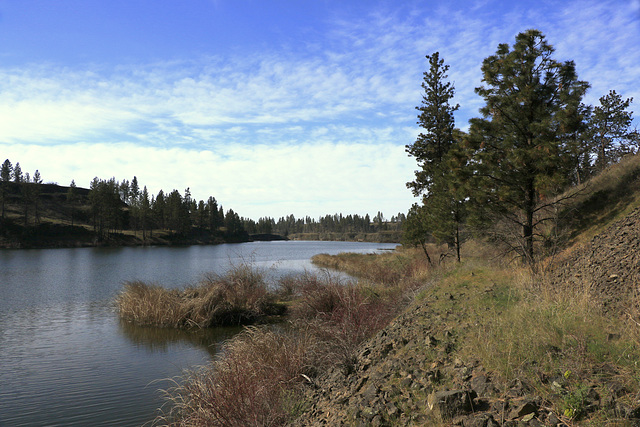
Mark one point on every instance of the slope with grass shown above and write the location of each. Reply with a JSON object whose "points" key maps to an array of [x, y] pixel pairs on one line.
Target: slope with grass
{"points": [[486, 343]]}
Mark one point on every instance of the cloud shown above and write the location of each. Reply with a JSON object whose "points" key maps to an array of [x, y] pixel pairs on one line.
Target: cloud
{"points": [[254, 180], [315, 129]]}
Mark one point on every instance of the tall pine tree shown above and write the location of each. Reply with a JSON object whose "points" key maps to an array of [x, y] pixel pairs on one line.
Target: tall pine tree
{"points": [[443, 206], [437, 123], [521, 149]]}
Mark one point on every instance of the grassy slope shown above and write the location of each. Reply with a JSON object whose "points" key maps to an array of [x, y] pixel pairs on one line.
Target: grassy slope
{"points": [[552, 345], [480, 325]]}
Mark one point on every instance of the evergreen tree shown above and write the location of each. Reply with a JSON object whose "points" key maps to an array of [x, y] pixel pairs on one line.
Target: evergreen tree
{"points": [[72, 198], [214, 220], [17, 174], [202, 215], [442, 198], [610, 130], [145, 212], [416, 231], [522, 149], [5, 177], [124, 191], [437, 123], [159, 210], [37, 181], [134, 190]]}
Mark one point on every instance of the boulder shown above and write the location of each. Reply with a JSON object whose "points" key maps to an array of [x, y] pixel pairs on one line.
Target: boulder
{"points": [[451, 403]]}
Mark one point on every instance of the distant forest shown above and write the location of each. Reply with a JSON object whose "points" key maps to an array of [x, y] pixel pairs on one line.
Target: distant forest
{"points": [[111, 207]]}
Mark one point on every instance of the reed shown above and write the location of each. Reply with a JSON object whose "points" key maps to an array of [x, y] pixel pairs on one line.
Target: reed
{"points": [[239, 297], [257, 378]]}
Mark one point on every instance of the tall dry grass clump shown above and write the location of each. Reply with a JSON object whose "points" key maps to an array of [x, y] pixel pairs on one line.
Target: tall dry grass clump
{"points": [[397, 269], [255, 382], [239, 297], [340, 316]]}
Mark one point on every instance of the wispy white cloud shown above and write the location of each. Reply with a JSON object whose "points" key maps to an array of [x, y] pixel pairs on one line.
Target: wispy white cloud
{"points": [[308, 179], [308, 132]]}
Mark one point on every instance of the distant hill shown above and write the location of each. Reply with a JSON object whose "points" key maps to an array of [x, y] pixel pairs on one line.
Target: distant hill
{"points": [[43, 216]]}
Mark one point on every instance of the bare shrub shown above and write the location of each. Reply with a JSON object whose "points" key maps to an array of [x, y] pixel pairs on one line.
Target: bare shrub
{"points": [[250, 384], [340, 316]]}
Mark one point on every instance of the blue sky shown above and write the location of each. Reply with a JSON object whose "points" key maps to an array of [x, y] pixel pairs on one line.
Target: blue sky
{"points": [[273, 107]]}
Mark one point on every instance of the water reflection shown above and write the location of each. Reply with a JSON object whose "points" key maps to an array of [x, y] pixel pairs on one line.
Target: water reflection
{"points": [[163, 339], [65, 359]]}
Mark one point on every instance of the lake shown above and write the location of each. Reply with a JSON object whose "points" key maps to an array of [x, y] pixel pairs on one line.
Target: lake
{"points": [[66, 359]]}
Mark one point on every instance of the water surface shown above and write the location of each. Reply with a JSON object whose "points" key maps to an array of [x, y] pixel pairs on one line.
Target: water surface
{"points": [[66, 359]]}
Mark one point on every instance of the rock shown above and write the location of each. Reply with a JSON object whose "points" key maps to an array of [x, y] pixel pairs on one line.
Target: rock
{"points": [[482, 420], [552, 419], [449, 404], [525, 407], [370, 392], [481, 385]]}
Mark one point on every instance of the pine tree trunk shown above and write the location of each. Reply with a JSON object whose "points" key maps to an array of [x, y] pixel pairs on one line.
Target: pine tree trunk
{"points": [[527, 229], [424, 248]]}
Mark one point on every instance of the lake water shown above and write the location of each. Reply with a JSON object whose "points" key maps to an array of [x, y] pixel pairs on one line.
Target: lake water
{"points": [[66, 359]]}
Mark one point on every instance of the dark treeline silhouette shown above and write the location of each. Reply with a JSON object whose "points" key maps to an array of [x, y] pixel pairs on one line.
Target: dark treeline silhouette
{"points": [[113, 210], [112, 207], [116, 206], [337, 223]]}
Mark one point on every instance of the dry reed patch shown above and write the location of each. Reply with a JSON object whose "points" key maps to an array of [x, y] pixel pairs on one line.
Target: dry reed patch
{"points": [[149, 304], [340, 314], [255, 382], [239, 297], [400, 268]]}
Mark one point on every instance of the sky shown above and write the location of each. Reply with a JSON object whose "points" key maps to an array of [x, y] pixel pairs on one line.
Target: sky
{"points": [[273, 107]]}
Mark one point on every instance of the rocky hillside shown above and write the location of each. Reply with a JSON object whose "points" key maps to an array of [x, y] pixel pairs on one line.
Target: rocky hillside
{"points": [[608, 266], [415, 372]]}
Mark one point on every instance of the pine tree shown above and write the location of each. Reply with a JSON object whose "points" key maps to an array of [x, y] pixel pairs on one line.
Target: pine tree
{"points": [[17, 173], [610, 130], [522, 150], [416, 230], [437, 122], [37, 181], [72, 198], [443, 203], [145, 212], [5, 177]]}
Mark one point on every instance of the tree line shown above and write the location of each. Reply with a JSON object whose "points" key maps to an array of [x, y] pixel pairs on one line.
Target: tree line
{"points": [[29, 189], [118, 205], [336, 223], [535, 139], [113, 206]]}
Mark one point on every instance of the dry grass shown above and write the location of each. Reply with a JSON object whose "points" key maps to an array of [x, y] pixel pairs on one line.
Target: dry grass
{"points": [[521, 329], [605, 198], [239, 297], [398, 269], [256, 379], [254, 383], [340, 316]]}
